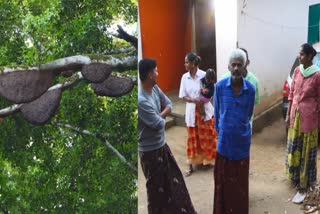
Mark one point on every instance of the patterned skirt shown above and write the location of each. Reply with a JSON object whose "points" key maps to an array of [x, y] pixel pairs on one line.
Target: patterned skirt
{"points": [[201, 142], [231, 186], [166, 190], [301, 155]]}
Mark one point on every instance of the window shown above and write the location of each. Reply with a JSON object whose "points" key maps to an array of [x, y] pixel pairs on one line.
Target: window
{"points": [[314, 20]]}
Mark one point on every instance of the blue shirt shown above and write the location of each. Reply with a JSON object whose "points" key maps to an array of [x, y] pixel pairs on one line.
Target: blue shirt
{"points": [[151, 126], [232, 118]]}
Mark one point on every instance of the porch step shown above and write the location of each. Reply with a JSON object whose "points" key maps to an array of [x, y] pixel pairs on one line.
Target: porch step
{"points": [[179, 119], [178, 110], [169, 122]]}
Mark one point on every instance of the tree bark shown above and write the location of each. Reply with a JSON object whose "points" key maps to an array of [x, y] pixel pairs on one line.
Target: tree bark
{"points": [[122, 34], [118, 62]]}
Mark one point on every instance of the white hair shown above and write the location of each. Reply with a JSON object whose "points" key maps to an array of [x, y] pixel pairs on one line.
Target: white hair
{"points": [[238, 54]]}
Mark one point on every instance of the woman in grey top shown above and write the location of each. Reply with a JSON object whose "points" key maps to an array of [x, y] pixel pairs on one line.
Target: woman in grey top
{"points": [[166, 189]]}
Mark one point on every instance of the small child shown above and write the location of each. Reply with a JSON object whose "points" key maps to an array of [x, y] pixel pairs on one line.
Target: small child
{"points": [[207, 90]]}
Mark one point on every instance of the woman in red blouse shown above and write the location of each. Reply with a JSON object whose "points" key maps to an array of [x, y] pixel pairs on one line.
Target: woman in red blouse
{"points": [[302, 120]]}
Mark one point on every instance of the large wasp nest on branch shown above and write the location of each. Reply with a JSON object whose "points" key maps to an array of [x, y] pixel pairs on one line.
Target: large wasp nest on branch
{"points": [[113, 87], [42, 109], [32, 88], [96, 72], [24, 86]]}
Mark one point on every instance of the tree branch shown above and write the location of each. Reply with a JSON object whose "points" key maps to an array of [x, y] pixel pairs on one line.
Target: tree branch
{"points": [[10, 110], [105, 141], [4, 210], [134, 79], [128, 49], [65, 85], [118, 62], [68, 63], [122, 34]]}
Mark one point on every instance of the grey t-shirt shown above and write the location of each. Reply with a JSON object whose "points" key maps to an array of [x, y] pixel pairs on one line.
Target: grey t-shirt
{"points": [[151, 125]]}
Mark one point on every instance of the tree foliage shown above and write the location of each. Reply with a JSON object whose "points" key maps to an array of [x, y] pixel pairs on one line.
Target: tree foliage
{"points": [[51, 168], [58, 28]]}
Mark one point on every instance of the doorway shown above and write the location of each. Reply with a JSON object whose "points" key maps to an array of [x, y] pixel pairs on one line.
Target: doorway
{"points": [[204, 33]]}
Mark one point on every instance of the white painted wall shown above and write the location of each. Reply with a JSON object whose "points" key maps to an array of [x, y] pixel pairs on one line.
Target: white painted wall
{"points": [[226, 32], [272, 32]]}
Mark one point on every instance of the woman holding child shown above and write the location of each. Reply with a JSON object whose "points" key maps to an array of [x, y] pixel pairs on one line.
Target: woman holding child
{"points": [[201, 141]]}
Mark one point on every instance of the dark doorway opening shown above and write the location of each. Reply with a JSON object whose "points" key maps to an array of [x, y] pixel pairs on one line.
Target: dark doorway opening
{"points": [[205, 36]]}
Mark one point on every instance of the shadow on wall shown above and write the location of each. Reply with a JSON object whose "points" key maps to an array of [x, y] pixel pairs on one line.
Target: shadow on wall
{"points": [[268, 111]]}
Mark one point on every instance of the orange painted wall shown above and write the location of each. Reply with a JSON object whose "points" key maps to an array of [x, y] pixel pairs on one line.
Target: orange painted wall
{"points": [[165, 27]]}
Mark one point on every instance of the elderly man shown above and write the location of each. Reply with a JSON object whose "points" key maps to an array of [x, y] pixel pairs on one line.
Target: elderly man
{"points": [[166, 189], [233, 107], [248, 76], [251, 78]]}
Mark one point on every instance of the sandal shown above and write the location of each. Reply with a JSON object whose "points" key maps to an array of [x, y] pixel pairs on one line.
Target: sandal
{"points": [[310, 209], [188, 172]]}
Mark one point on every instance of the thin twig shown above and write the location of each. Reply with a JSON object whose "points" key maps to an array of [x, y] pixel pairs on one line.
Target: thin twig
{"points": [[105, 141]]}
